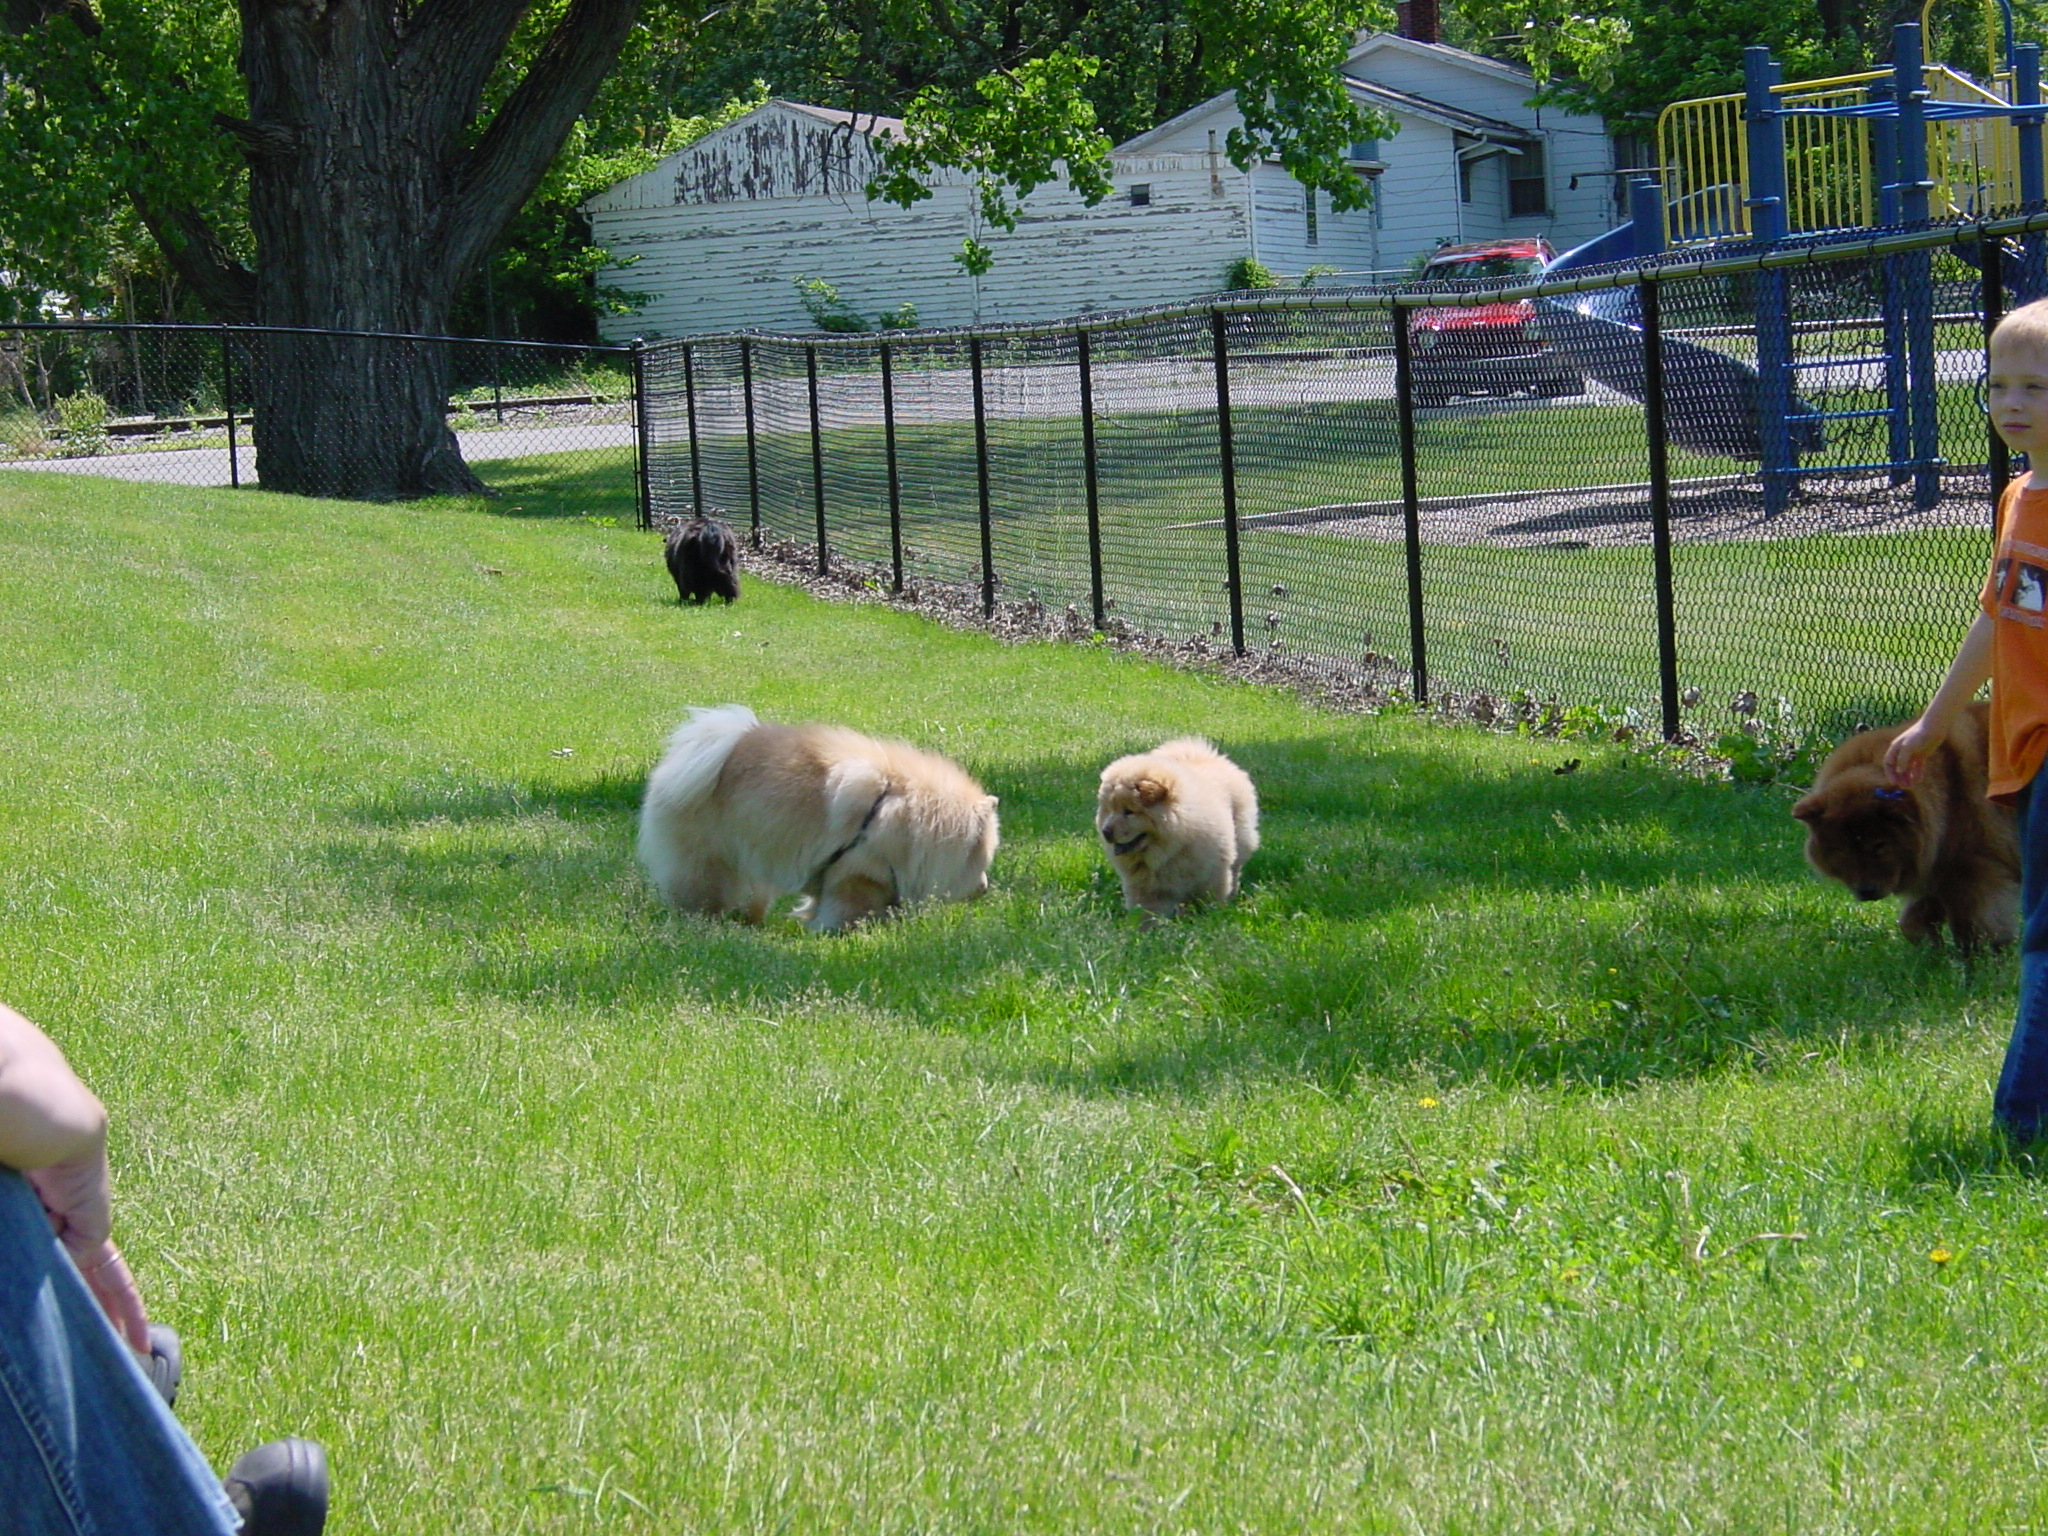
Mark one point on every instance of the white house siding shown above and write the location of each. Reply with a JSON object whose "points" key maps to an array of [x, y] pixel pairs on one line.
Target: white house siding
{"points": [[1419, 195], [1574, 144], [722, 232], [1347, 241]]}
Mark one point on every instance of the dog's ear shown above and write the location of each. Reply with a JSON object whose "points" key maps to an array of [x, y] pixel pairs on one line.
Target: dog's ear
{"points": [[990, 802], [1150, 791], [1810, 809]]}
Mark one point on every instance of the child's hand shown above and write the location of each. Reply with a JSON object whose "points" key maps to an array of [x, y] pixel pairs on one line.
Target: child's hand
{"points": [[1907, 755]]}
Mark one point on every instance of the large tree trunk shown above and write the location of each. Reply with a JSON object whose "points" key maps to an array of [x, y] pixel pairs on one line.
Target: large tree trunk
{"points": [[374, 191]]}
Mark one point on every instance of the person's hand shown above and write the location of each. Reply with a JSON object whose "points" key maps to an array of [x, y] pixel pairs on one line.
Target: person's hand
{"points": [[1907, 755], [75, 1196]]}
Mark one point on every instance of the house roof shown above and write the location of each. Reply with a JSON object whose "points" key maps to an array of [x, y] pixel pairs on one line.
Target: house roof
{"points": [[1409, 105], [1479, 126], [1376, 42], [869, 123], [1201, 109]]}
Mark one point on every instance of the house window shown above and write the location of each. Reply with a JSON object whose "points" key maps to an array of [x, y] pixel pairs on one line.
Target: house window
{"points": [[1365, 149], [1309, 207], [1141, 194], [1528, 185]]}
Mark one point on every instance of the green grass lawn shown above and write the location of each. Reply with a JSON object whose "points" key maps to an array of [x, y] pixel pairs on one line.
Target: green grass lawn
{"points": [[1527, 1151]]}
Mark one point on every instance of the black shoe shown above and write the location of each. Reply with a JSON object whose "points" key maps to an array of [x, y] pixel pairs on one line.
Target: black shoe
{"points": [[280, 1489], [166, 1362]]}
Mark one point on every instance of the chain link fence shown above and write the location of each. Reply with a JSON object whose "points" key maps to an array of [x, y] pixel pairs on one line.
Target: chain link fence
{"points": [[1699, 494], [178, 403]]}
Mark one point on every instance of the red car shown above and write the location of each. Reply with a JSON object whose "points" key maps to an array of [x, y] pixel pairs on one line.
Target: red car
{"points": [[1487, 349]]}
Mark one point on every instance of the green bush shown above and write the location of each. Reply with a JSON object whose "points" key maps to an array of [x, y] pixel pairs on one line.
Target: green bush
{"points": [[902, 318], [827, 310], [1249, 272], [82, 423]]}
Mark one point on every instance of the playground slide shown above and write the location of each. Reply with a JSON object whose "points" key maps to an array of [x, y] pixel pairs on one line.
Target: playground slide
{"points": [[1710, 399]]}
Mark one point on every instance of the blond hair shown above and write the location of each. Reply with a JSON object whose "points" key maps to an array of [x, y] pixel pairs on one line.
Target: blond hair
{"points": [[2026, 326]]}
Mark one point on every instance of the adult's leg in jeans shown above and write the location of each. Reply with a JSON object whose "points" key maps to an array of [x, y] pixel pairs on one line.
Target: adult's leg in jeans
{"points": [[2021, 1103], [87, 1448]]}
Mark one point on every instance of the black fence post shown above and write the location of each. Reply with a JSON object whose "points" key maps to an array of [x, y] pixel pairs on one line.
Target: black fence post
{"points": [[696, 448], [1090, 479], [988, 552], [1411, 501], [817, 453], [1226, 457], [753, 452], [227, 392], [1998, 465], [1660, 501], [895, 483], [642, 477]]}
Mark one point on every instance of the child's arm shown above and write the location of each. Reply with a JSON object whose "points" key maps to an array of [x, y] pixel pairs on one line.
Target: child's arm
{"points": [[1907, 754]]}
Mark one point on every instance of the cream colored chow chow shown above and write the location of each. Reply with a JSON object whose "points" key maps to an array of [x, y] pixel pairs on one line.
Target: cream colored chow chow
{"points": [[1179, 823], [738, 812]]}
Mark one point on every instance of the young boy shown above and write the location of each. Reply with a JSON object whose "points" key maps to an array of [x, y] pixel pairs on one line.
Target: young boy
{"points": [[2008, 644]]}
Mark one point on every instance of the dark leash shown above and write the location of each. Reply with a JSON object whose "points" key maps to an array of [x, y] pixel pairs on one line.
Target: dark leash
{"points": [[848, 846]]}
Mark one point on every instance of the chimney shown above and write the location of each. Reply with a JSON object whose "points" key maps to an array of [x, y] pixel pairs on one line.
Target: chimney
{"points": [[1417, 19]]}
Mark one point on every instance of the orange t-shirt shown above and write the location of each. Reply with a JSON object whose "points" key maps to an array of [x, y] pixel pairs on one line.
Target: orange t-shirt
{"points": [[2016, 596]]}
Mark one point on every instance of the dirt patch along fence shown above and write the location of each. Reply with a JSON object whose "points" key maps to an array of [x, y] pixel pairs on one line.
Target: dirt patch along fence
{"points": [[1267, 473]]}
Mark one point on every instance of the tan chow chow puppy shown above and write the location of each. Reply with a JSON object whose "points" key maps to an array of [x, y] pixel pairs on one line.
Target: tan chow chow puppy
{"points": [[1179, 823], [1953, 854], [738, 813]]}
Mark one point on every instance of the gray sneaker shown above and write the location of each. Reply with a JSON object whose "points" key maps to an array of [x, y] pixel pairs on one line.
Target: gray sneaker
{"points": [[280, 1489], [166, 1362]]}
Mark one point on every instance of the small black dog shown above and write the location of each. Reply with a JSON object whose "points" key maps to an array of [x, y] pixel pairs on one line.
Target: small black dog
{"points": [[704, 558]]}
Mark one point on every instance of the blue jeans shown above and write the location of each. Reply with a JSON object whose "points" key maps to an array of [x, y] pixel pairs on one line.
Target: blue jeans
{"points": [[87, 1448], [2021, 1104]]}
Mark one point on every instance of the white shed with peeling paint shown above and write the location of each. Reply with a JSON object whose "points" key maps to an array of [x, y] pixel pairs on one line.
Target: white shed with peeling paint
{"points": [[719, 234]]}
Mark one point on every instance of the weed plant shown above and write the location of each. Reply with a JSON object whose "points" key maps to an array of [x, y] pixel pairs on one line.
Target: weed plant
{"points": [[1529, 1150]]}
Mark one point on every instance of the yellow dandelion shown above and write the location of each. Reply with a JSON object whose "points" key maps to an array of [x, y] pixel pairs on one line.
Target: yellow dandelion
{"points": [[1940, 1255], [1426, 1102]]}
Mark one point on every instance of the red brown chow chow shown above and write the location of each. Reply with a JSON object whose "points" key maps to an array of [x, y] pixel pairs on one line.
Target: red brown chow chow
{"points": [[1952, 853]]}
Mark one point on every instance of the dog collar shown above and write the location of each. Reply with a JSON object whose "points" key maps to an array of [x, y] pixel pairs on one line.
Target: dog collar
{"points": [[848, 846]]}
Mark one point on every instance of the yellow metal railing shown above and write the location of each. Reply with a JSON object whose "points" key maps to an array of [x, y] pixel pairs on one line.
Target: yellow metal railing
{"points": [[1830, 179]]}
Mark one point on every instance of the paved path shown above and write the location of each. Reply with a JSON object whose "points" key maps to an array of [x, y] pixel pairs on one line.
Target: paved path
{"points": [[946, 394], [209, 466]]}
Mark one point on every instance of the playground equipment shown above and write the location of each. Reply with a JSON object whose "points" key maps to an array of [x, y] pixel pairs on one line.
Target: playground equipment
{"points": [[1833, 155], [1711, 400]]}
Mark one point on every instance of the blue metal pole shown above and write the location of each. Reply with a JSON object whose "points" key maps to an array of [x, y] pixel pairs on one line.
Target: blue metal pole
{"points": [[2030, 282], [1884, 147], [1646, 212], [1917, 269], [1768, 223]]}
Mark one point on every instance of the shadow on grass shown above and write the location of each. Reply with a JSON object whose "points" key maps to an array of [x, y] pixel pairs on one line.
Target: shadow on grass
{"points": [[1953, 1154], [1609, 926], [590, 482]]}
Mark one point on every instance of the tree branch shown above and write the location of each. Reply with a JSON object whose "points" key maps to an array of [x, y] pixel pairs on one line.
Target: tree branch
{"points": [[200, 257], [447, 51], [508, 162], [24, 16]]}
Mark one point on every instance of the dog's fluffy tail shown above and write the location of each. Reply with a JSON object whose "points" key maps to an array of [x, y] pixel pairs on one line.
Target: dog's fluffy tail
{"points": [[695, 755]]}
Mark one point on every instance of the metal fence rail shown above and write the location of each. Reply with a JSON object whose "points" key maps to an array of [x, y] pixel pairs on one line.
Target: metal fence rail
{"points": [[1308, 474], [174, 403], [1272, 472]]}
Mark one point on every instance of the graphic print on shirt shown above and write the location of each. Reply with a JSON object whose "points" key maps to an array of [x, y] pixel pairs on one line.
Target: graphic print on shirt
{"points": [[2021, 580]]}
